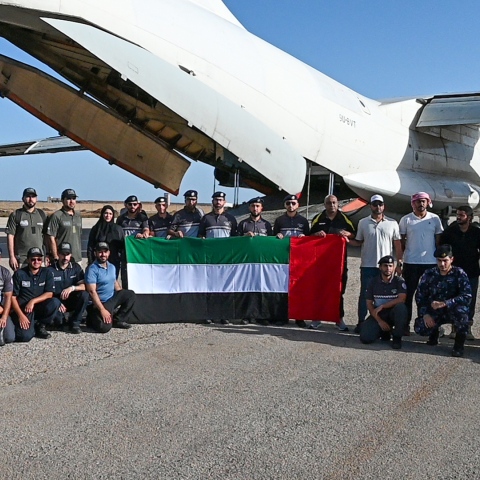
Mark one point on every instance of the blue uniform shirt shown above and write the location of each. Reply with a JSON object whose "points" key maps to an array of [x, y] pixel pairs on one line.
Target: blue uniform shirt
{"points": [[104, 278], [27, 286]]}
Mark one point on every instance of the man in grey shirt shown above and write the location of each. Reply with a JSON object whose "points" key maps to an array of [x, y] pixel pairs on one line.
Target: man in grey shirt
{"points": [[24, 229], [7, 329], [186, 221], [65, 226]]}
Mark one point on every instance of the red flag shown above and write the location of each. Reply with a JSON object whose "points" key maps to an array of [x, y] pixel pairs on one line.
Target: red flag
{"points": [[315, 285]]}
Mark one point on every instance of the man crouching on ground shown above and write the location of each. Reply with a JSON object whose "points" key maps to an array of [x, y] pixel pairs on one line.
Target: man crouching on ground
{"points": [[106, 294]]}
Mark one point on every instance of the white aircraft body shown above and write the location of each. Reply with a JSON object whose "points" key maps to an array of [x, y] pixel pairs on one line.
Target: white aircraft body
{"points": [[158, 80]]}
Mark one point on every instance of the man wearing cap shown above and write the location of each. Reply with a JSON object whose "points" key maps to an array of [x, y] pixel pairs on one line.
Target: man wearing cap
{"points": [[443, 296], [69, 283], [218, 223], [255, 225], [186, 221], [385, 299], [7, 329], [112, 305], [291, 223], [159, 223], [420, 232], [465, 241], [378, 235], [65, 226], [134, 221], [24, 229], [333, 221], [33, 303]]}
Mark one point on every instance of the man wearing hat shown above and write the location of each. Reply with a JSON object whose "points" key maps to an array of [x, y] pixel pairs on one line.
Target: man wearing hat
{"points": [[7, 329], [134, 221], [24, 229], [385, 299], [65, 226], [291, 223], [333, 221], [378, 235], [186, 221], [69, 283], [112, 305], [218, 223], [159, 224], [255, 225], [443, 296], [420, 232], [33, 302]]}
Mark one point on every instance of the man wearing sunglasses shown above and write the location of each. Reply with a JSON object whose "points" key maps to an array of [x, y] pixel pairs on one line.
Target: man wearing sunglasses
{"points": [[186, 221], [379, 237], [134, 221], [33, 303]]}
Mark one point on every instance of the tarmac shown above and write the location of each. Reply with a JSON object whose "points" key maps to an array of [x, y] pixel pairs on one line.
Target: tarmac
{"points": [[183, 401]]}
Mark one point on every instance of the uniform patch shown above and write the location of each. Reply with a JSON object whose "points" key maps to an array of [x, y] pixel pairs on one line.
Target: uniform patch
{"points": [[41, 284], [26, 283], [24, 223]]}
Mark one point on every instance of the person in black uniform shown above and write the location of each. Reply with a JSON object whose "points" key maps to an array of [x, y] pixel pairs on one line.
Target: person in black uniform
{"points": [[33, 303], [69, 280], [218, 223], [291, 223], [333, 221], [186, 221], [255, 225], [159, 223], [386, 295]]}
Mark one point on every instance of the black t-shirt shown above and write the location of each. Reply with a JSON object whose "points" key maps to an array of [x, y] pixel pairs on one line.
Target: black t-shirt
{"points": [[133, 226], [291, 226], [217, 226], [261, 227]]}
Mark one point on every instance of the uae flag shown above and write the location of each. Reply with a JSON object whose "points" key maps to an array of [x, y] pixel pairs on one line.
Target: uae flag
{"points": [[190, 279]]}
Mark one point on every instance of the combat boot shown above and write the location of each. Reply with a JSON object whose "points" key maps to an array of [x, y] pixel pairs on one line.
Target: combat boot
{"points": [[458, 345], [433, 338]]}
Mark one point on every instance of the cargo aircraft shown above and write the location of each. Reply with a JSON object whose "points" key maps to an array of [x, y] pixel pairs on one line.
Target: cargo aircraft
{"points": [[152, 85]]}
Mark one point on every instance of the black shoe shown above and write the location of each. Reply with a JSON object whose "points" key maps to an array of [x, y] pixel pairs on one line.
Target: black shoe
{"points": [[224, 322], [397, 343], [245, 321], [262, 322], [458, 345], [75, 330], [433, 338], [385, 336], [123, 325], [208, 322], [41, 332], [301, 324], [2, 340], [457, 352], [357, 328]]}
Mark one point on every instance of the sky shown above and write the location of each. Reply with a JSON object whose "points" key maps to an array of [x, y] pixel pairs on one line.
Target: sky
{"points": [[380, 49]]}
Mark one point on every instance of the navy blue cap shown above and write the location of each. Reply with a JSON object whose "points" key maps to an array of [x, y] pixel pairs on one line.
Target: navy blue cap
{"points": [[443, 251], [219, 195], [131, 199], [161, 200], [256, 200], [65, 248], [290, 198], [386, 259], [191, 194], [102, 246], [34, 252], [29, 192]]}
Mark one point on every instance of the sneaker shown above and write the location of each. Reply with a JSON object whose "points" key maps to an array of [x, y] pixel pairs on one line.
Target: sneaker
{"points": [[301, 324], [397, 343], [314, 326], [76, 330], [41, 332], [342, 326], [123, 325], [224, 322]]}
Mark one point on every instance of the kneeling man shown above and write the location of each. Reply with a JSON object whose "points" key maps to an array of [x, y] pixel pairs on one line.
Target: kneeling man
{"points": [[443, 296], [112, 305], [386, 295]]}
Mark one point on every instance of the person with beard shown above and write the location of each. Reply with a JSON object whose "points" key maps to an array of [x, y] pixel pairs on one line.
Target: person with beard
{"points": [[134, 221], [106, 230], [161, 221], [255, 225], [465, 241], [24, 229], [186, 221], [420, 234]]}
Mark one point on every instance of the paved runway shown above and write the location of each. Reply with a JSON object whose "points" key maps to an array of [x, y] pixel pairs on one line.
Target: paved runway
{"points": [[238, 402]]}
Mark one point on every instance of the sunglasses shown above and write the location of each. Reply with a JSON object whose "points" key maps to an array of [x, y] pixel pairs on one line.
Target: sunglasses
{"points": [[36, 259], [132, 204], [290, 203]]}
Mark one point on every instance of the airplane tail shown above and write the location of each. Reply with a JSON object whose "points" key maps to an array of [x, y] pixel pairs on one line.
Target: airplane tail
{"points": [[218, 8]]}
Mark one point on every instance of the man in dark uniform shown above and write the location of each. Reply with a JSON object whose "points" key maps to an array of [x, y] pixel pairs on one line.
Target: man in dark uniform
{"points": [[69, 283], [443, 296], [386, 295], [33, 303], [255, 225], [218, 223], [159, 223], [65, 225], [333, 221], [465, 241], [186, 221], [24, 229], [291, 223], [7, 329], [134, 222], [107, 294]]}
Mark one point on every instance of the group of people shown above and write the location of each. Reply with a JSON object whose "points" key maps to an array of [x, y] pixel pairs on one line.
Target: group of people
{"points": [[437, 268]]}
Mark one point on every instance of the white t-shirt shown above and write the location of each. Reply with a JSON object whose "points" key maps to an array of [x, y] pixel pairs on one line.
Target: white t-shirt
{"points": [[420, 233], [377, 239]]}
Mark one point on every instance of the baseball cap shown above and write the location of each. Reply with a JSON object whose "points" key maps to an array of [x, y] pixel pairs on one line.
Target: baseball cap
{"points": [[102, 246], [34, 252], [443, 251], [69, 193], [131, 199], [65, 248], [256, 200], [29, 192], [386, 259], [161, 200], [219, 195], [376, 198], [191, 194]]}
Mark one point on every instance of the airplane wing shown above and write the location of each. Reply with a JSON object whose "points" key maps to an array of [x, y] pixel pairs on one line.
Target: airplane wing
{"points": [[47, 145], [218, 8]]}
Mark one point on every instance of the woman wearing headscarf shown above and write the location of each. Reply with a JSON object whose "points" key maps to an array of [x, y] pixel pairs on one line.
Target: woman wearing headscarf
{"points": [[106, 230]]}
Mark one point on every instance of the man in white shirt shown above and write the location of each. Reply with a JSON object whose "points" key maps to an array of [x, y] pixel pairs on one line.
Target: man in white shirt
{"points": [[420, 232]]}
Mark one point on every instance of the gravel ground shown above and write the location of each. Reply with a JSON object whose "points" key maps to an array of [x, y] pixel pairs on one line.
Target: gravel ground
{"points": [[238, 402]]}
